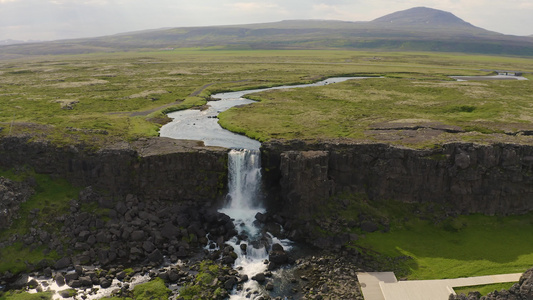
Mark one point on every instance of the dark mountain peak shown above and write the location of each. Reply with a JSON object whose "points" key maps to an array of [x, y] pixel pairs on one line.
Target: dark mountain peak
{"points": [[423, 16]]}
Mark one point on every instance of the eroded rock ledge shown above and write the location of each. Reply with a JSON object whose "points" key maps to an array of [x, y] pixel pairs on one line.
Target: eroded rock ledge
{"points": [[465, 177]]}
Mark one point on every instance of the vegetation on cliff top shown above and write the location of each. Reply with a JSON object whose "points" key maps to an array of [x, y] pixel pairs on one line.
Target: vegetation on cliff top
{"points": [[101, 98], [412, 108]]}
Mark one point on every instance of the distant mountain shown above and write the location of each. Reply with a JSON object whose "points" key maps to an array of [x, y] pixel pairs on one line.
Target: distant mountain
{"points": [[11, 42], [416, 29], [423, 16]]}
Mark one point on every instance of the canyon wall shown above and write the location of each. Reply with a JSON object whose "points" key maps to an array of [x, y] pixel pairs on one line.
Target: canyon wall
{"points": [[465, 177], [154, 169], [298, 176]]}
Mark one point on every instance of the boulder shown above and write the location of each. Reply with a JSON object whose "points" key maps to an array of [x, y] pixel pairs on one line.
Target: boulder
{"points": [[155, 256], [86, 281], [260, 277], [369, 226], [137, 235], [228, 284], [105, 283], [62, 263], [60, 280], [169, 231]]}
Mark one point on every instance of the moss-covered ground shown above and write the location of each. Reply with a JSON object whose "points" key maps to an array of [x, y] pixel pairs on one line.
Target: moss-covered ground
{"points": [[101, 98], [25, 296], [420, 241], [152, 290], [51, 199]]}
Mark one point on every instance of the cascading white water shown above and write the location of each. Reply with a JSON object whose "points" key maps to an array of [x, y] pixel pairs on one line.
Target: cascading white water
{"points": [[244, 172], [244, 177]]}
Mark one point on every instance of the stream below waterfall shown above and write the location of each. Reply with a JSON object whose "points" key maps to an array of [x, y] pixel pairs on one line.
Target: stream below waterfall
{"points": [[243, 202]]}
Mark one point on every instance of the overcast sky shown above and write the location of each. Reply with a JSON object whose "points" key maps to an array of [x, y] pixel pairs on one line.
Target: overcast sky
{"points": [[61, 19]]}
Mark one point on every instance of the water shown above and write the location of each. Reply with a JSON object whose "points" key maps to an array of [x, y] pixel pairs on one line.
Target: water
{"points": [[243, 203], [203, 125]]}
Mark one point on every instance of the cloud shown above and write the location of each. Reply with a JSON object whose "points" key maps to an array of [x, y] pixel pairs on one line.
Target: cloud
{"points": [[56, 19], [253, 6]]}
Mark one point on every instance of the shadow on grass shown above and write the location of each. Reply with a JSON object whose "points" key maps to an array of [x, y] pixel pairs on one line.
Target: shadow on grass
{"points": [[465, 246]]}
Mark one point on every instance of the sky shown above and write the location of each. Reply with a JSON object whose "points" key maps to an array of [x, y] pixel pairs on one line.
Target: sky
{"points": [[66, 19]]}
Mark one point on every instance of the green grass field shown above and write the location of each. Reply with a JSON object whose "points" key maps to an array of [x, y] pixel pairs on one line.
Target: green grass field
{"points": [[101, 98], [470, 246], [489, 110]]}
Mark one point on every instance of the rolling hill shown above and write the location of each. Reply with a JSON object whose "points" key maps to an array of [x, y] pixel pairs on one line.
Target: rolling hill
{"points": [[415, 29]]}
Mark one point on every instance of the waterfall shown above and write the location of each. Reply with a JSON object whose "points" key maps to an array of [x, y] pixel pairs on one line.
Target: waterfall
{"points": [[243, 203], [244, 183]]}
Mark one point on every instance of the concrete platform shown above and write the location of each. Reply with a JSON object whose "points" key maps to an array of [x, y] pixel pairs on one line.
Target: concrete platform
{"points": [[384, 286]]}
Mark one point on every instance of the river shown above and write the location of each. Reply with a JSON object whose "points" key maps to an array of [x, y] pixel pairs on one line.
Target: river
{"points": [[194, 124]]}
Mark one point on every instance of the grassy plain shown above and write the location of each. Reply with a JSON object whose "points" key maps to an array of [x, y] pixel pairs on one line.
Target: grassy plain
{"points": [[100, 98], [471, 246]]}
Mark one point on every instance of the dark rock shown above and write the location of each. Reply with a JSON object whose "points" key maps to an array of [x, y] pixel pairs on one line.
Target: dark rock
{"points": [[368, 226], [260, 277], [121, 275], [62, 263], [261, 217], [121, 208], [269, 286], [169, 231], [33, 284], [91, 240], [148, 246], [71, 276], [137, 235], [60, 280], [74, 283], [66, 293], [277, 247], [20, 283], [277, 255], [86, 281], [47, 272], [155, 256], [105, 283], [78, 269], [228, 284], [101, 237], [173, 275]]}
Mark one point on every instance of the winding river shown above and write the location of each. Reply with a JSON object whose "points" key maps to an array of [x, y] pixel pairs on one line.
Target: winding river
{"points": [[194, 124]]}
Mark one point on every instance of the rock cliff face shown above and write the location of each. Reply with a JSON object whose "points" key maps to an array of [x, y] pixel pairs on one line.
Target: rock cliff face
{"points": [[154, 169], [12, 194], [467, 178]]}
